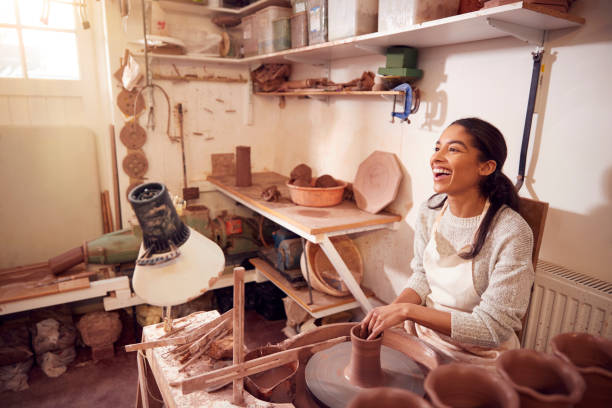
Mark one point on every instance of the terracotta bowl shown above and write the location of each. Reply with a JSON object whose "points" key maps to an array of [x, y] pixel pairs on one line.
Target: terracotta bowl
{"points": [[274, 385], [323, 275], [460, 385], [388, 398], [592, 357], [317, 196], [542, 380]]}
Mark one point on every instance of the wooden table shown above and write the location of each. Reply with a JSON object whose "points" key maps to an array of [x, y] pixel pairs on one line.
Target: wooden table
{"points": [[314, 224]]}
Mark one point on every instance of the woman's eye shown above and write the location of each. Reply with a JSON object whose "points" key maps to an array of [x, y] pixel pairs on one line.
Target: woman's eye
{"points": [[436, 149], [452, 149]]}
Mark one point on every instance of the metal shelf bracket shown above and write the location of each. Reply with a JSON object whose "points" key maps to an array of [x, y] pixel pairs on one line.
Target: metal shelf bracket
{"points": [[373, 49], [523, 33]]}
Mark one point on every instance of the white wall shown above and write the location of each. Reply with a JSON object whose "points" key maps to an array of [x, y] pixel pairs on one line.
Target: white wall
{"points": [[570, 164]]}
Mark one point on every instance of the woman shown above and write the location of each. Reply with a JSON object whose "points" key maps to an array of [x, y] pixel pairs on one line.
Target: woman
{"points": [[472, 270]]}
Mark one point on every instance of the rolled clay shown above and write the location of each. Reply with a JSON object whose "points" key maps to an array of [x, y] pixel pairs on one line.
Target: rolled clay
{"points": [[243, 166]]}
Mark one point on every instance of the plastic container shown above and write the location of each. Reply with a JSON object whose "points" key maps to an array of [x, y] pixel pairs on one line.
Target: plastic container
{"points": [[317, 21], [299, 30], [264, 31], [317, 196], [349, 18], [249, 41], [396, 15], [282, 33]]}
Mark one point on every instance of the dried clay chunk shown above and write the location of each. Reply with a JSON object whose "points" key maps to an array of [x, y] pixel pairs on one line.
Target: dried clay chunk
{"points": [[301, 172], [326, 181], [301, 183]]}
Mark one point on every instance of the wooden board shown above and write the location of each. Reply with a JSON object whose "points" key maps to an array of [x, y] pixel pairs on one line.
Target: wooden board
{"points": [[321, 301], [14, 293], [329, 93], [344, 216]]}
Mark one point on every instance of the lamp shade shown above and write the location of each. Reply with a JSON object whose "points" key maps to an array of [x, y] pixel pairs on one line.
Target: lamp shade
{"points": [[175, 263]]}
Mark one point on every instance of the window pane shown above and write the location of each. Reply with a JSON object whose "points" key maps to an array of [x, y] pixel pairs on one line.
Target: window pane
{"points": [[10, 58], [51, 55], [60, 15], [7, 11]]}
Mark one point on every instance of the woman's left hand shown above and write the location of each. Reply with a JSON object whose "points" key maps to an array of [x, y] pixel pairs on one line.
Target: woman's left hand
{"points": [[382, 318]]}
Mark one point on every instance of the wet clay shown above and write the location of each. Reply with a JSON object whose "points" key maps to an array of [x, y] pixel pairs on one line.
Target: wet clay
{"points": [[364, 368], [592, 357], [243, 166], [468, 386], [326, 181], [388, 398], [301, 172], [541, 380]]}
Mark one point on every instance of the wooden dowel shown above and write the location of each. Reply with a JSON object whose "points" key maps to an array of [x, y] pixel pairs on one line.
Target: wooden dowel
{"points": [[116, 193], [238, 398]]}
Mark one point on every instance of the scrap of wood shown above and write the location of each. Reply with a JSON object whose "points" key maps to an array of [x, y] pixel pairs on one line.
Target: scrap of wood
{"points": [[226, 374], [223, 164], [12, 294], [189, 337], [230, 110], [197, 350], [198, 134], [219, 100]]}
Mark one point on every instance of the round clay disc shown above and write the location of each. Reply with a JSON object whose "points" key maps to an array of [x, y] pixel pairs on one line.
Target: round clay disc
{"points": [[126, 100], [135, 164], [133, 136], [325, 374], [377, 181]]}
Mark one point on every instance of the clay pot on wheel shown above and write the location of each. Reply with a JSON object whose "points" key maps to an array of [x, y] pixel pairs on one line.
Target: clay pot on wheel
{"points": [[542, 380], [274, 385], [389, 398], [364, 367], [592, 357], [459, 385]]}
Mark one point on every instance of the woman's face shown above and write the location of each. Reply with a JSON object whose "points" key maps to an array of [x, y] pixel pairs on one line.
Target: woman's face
{"points": [[456, 164]]}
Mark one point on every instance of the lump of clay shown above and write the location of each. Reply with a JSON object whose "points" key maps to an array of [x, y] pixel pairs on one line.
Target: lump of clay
{"points": [[326, 181], [301, 183], [100, 328], [300, 172]]}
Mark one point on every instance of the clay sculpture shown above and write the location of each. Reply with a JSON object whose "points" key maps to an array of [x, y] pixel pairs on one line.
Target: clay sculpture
{"points": [[592, 357], [541, 380], [377, 182]]}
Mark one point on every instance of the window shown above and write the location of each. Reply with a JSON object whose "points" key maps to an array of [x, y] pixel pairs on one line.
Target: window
{"points": [[38, 39]]}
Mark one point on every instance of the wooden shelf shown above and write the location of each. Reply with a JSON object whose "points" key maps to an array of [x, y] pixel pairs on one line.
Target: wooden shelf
{"points": [[323, 304], [329, 93], [199, 9], [462, 28]]}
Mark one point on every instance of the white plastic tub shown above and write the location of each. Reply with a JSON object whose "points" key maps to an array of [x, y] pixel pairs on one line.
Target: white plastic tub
{"points": [[394, 15], [349, 18]]}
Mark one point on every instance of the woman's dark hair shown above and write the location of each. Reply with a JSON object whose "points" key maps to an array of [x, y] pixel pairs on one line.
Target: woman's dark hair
{"points": [[496, 187]]}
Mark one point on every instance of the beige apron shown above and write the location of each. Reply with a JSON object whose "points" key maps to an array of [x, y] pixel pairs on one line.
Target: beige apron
{"points": [[452, 288]]}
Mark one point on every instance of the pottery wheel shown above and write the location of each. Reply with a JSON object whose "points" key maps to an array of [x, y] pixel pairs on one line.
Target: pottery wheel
{"points": [[133, 136], [325, 374]]}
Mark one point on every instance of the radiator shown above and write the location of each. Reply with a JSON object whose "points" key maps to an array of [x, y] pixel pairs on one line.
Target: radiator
{"points": [[566, 301]]}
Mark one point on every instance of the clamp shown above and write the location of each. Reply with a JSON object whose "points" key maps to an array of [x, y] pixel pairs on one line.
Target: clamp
{"points": [[412, 100]]}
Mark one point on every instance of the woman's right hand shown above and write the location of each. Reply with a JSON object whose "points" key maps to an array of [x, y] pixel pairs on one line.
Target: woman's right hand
{"points": [[382, 318]]}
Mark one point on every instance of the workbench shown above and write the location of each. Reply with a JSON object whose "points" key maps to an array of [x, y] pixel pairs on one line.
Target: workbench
{"points": [[316, 225]]}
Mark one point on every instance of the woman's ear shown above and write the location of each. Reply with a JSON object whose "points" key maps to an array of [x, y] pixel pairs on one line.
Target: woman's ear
{"points": [[487, 168]]}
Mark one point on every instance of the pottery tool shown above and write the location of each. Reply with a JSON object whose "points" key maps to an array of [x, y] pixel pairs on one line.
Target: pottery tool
{"points": [[411, 105], [189, 193]]}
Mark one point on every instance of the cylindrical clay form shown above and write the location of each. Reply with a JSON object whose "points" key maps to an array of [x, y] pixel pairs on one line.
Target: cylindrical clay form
{"points": [[243, 166], [364, 368]]}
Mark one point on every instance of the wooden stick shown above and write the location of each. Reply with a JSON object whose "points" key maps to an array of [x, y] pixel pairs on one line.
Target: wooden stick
{"points": [[109, 211], [202, 349], [187, 338], [238, 398], [226, 374], [201, 79], [105, 226], [117, 197]]}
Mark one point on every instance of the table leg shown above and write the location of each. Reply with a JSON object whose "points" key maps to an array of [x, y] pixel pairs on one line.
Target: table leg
{"points": [[345, 274], [238, 331], [142, 380]]}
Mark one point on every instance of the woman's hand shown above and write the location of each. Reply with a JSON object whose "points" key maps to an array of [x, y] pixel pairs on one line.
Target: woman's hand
{"points": [[382, 318]]}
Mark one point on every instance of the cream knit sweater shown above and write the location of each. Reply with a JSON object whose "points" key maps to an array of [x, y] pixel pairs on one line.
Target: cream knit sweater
{"points": [[502, 272]]}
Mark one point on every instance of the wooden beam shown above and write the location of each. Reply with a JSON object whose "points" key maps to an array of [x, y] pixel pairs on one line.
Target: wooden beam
{"points": [[238, 398]]}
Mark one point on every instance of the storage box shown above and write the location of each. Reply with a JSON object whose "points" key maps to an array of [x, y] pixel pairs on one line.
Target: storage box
{"points": [[401, 57], [403, 72], [282, 33], [395, 15], [249, 42], [349, 18], [317, 21], [264, 31], [299, 30]]}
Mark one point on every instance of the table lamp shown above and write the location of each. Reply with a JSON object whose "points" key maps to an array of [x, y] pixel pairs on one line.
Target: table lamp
{"points": [[175, 263]]}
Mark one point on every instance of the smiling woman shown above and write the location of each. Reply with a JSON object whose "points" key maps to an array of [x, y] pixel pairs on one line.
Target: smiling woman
{"points": [[472, 270]]}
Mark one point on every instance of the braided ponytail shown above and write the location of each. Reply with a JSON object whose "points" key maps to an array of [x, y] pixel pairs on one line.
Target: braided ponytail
{"points": [[497, 187]]}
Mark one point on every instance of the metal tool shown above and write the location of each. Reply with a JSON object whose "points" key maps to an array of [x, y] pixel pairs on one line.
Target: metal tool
{"points": [[412, 100]]}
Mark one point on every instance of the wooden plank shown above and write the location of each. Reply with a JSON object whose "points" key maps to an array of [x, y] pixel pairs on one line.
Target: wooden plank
{"points": [[12, 294], [238, 332], [321, 301], [344, 216]]}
